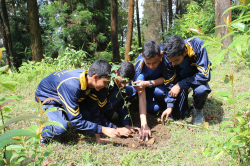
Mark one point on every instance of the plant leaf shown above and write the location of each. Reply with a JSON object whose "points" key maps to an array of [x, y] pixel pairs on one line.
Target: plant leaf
{"points": [[53, 123], [19, 118], [240, 26], [15, 147], [6, 102], [16, 132], [3, 143], [222, 94]]}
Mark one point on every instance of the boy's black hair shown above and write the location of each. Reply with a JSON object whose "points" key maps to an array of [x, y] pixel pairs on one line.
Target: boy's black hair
{"points": [[127, 70], [150, 49], [174, 45], [101, 67]]}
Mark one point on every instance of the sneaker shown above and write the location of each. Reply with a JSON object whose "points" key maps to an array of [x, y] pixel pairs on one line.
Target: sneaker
{"points": [[198, 117], [44, 141]]}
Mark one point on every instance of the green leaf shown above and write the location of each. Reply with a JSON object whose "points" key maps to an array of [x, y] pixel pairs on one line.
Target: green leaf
{"points": [[225, 123], [54, 123], [219, 155], [33, 128], [228, 34], [50, 110], [3, 68], [242, 27], [6, 109], [236, 41], [3, 143], [221, 55], [16, 132], [16, 155], [206, 136], [228, 99], [226, 80], [9, 86], [131, 53], [9, 153], [234, 7], [19, 118], [242, 95], [15, 147], [46, 154], [61, 164], [222, 94]]}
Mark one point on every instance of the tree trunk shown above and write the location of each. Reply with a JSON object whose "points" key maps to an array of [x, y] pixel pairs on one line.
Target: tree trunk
{"points": [[8, 33], [114, 33], [5, 40], [138, 23], [162, 30], [220, 7], [35, 31], [170, 12], [129, 30]]}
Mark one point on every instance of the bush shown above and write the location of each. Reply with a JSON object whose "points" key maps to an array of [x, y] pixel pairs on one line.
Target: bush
{"points": [[197, 16]]}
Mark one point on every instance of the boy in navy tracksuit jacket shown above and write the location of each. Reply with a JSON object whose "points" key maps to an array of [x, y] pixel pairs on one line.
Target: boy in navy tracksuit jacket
{"points": [[72, 88], [185, 65], [117, 94], [149, 84]]}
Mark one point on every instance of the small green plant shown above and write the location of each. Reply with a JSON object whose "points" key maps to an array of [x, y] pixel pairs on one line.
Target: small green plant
{"points": [[20, 145], [236, 128], [121, 90]]}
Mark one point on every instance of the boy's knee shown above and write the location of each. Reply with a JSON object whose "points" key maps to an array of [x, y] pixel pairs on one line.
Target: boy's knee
{"points": [[201, 91]]}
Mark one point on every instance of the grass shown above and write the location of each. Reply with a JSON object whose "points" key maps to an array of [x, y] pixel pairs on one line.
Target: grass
{"points": [[184, 147]]}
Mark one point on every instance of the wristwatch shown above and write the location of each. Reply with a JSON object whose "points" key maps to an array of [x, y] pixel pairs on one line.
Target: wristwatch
{"points": [[150, 84]]}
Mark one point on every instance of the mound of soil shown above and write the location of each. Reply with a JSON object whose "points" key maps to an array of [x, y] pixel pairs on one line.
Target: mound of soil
{"points": [[159, 134]]}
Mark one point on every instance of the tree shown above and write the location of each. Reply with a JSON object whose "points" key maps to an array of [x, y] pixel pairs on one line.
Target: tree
{"points": [[35, 31], [170, 6], [129, 30], [114, 33], [220, 7], [6, 26], [138, 23]]}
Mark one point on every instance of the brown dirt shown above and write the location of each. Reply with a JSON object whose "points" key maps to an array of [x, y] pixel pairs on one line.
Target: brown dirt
{"points": [[159, 134]]}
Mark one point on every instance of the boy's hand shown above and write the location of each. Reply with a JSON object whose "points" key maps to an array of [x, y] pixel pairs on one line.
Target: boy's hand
{"points": [[175, 90], [110, 132], [132, 129], [124, 131], [101, 140], [141, 85], [166, 113], [144, 132]]}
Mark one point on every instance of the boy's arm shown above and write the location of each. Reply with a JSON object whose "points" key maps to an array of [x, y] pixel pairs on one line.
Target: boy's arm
{"points": [[170, 80], [144, 132], [202, 64]]}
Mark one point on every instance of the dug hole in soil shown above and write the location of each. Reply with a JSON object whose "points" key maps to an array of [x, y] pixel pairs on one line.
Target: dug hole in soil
{"points": [[159, 131]]}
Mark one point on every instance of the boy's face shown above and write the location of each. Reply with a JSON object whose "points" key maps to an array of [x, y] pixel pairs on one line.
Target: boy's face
{"points": [[176, 60], [154, 62], [101, 83], [121, 81]]}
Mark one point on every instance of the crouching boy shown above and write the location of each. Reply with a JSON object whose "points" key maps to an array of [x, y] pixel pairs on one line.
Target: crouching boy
{"points": [[72, 89]]}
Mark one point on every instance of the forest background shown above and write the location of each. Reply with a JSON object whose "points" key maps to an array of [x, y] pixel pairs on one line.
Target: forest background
{"points": [[39, 37]]}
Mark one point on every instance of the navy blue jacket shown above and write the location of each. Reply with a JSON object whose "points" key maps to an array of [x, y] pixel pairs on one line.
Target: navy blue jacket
{"points": [[69, 88], [114, 104], [198, 59]]}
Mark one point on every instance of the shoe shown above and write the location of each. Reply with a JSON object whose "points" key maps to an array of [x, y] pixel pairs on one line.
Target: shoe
{"points": [[198, 117], [44, 141]]}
